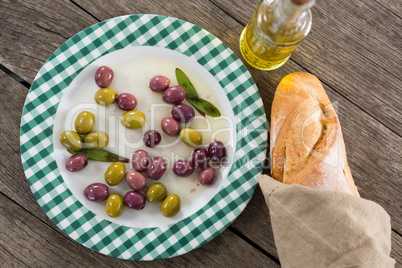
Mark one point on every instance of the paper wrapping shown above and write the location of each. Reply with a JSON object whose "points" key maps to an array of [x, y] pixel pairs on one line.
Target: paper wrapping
{"points": [[315, 228]]}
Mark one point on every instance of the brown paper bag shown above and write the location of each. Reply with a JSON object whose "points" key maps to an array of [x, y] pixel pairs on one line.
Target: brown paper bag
{"points": [[314, 228]]}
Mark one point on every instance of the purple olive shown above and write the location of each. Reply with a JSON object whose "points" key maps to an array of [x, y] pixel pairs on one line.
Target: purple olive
{"points": [[159, 83], [152, 138], [103, 76], [140, 160], [170, 126], [96, 192], [126, 101], [183, 168], [136, 180], [135, 200], [175, 94], [200, 158], [207, 176], [182, 113], [156, 168], [76, 162], [217, 151]]}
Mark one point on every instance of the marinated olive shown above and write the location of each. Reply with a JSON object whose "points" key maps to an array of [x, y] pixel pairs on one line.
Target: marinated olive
{"points": [[156, 168], [76, 162], [133, 119], [156, 193], [207, 176], [171, 205], [217, 151], [103, 76], [191, 136], [182, 113], [183, 168], [114, 205], [200, 158], [152, 138], [96, 192], [159, 83], [140, 160], [96, 139], [136, 180], [170, 126], [134, 200], [71, 140], [126, 101], [84, 122], [105, 96], [115, 173], [175, 94]]}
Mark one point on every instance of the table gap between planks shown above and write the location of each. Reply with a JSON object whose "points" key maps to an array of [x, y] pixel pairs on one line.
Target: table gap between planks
{"points": [[363, 82]]}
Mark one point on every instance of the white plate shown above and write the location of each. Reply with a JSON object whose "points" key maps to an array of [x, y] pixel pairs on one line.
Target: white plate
{"points": [[65, 80]]}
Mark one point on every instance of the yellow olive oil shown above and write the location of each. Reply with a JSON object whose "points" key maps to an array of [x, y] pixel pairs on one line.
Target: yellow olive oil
{"points": [[276, 29]]}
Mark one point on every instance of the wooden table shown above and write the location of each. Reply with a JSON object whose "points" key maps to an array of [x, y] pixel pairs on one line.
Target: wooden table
{"points": [[354, 48]]}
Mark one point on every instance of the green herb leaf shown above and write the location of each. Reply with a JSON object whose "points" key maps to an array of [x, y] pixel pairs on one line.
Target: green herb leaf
{"points": [[185, 83], [203, 106], [100, 155]]}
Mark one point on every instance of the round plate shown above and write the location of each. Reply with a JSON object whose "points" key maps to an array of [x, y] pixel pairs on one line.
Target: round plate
{"points": [[116, 238]]}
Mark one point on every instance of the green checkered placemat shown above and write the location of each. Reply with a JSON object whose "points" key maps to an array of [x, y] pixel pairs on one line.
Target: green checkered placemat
{"points": [[36, 137]]}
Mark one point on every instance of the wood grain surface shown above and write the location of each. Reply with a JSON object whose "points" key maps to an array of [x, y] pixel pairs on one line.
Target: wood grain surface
{"points": [[354, 49]]}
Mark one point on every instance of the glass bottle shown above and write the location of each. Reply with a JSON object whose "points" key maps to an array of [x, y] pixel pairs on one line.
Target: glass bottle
{"points": [[275, 30]]}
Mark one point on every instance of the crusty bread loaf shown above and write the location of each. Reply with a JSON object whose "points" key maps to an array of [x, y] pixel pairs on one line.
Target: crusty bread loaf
{"points": [[307, 146]]}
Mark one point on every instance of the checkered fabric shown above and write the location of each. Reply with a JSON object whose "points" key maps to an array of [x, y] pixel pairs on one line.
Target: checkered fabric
{"points": [[47, 184]]}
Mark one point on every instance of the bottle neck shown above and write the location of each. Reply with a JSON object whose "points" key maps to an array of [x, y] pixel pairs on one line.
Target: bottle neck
{"points": [[289, 12]]}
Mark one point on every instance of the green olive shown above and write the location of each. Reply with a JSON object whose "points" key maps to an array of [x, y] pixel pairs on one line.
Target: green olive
{"points": [[105, 96], [191, 136], [84, 122], [156, 192], [114, 205], [133, 119], [71, 140], [171, 205], [96, 140], [115, 173]]}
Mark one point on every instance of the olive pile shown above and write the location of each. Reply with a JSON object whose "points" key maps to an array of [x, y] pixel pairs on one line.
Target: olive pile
{"points": [[70, 139], [134, 199], [84, 136], [184, 113]]}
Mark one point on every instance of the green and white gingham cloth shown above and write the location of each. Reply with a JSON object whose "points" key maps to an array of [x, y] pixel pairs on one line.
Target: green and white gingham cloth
{"points": [[36, 136]]}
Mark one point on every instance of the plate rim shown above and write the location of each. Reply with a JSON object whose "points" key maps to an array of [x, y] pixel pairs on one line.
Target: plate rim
{"points": [[53, 86]]}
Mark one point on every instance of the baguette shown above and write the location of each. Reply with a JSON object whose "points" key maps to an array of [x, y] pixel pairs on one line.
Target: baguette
{"points": [[306, 144]]}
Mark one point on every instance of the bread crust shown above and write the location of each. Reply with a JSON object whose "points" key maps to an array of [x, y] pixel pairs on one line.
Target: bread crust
{"points": [[306, 144]]}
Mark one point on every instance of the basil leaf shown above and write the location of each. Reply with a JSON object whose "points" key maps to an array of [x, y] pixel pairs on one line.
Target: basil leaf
{"points": [[100, 155], [203, 106], [185, 83]]}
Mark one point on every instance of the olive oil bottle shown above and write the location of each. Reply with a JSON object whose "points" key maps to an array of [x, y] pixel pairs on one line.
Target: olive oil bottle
{"points": [[275, 30]]}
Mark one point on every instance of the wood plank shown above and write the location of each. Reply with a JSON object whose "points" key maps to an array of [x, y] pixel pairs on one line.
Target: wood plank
{"points": [[396, 251], [32, 30], [196, 13], [9, 260], [25, 225], [34, 243], [393, 6], [354, 47], [30, 242]]}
